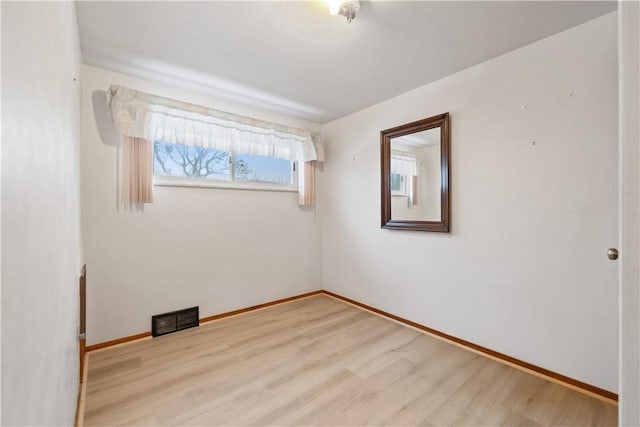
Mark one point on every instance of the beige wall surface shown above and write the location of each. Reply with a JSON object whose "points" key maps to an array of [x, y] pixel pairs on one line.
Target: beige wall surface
{"points": [[41, 258], [220, 249], [524, 270]]}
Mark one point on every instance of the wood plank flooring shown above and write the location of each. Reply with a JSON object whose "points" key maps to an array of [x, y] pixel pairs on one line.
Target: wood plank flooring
{"points": [[319, 361]]}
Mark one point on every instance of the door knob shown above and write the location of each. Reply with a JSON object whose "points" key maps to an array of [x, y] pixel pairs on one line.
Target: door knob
{"points": [[612, 253]]}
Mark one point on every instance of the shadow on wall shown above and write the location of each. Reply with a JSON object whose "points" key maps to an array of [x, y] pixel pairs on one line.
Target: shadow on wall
{"points": [[107, 131]]}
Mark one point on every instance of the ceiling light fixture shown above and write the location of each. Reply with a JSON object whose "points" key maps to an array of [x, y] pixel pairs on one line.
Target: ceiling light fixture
{"points": [[347, 8]]}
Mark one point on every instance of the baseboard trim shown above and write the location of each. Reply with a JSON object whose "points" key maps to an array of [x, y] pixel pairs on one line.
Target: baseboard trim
{"points": [[572, 383], [555, 377], [258, 307], [202, 320], [76, 421], [122, 340], [82, 394]]}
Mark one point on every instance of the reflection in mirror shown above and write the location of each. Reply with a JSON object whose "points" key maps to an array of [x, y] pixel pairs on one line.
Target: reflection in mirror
{"points": [[415, 175]]}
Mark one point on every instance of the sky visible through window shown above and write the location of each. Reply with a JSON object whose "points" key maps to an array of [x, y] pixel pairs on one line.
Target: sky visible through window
{"points": [[266, 169], [203, 163]]}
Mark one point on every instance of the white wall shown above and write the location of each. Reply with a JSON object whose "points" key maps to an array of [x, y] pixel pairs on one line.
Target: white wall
{"points": [[220, 249], [40, 213], [629, 45], [401, 209], [524, 270]]}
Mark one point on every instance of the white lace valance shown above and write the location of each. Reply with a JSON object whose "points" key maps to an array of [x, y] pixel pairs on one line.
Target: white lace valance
{"points": [[155, 118], [404, 163]]}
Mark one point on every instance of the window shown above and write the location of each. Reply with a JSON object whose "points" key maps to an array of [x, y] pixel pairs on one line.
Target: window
{"points": [[404, 166], [399, 185], [219, 167]]}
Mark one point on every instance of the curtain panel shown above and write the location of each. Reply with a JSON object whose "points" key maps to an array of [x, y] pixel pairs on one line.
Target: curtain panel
{"points": [[137, 171], [155, 118], [307, 183], [404, 163]]}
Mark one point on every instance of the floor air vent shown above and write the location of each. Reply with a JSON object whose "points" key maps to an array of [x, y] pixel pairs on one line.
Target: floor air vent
{"points": [[174, 321]]}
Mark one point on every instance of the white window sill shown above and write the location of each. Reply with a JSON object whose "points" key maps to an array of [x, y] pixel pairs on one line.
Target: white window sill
{"points": [[164, 181]]}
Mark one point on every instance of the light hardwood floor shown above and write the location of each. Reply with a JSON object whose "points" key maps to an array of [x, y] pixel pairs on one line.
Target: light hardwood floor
{"points": [[319, 361]]}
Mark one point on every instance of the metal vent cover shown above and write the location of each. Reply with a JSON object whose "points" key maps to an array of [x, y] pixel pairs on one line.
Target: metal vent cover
{"points": [[162, 324]]}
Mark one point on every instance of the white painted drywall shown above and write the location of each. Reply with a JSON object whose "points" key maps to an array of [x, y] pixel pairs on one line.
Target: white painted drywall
{"points": [[402, 208], [629, 55], [40, 212], [524, 270], [220, 249]]}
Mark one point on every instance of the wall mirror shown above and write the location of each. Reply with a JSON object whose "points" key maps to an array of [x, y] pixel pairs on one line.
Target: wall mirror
{"points": [[415, 175]]}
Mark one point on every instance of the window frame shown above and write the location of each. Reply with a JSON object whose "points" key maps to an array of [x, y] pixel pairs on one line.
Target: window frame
{"points": [[404, 191], [231, 183]]}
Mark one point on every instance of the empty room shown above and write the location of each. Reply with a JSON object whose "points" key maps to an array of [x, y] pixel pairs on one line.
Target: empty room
{"points": [[327, 212]]}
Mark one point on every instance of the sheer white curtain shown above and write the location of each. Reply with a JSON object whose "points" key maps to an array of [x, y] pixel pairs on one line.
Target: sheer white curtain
{"points": [[140, 116], [404, 163], [156, 118]]}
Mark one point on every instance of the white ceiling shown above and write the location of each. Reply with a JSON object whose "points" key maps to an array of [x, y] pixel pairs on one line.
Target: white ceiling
{"points": [[419, 139], [293, 57]]}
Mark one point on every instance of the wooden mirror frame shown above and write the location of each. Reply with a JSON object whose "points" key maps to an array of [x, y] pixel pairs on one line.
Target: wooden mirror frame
{"points": [[440, 121]]}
